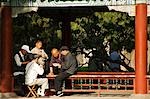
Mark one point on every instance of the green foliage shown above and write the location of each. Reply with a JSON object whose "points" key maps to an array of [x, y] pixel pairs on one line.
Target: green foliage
{"points": [[82, 69], [28, 27], [87, 32], [116, 27]]}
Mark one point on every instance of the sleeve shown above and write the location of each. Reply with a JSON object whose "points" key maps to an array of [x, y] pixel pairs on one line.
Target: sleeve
{"points": [[17, 60], [36, 51], [71, 65], [51, 62], [33, 51], [39, 70], [44, 53], [67, 63]]}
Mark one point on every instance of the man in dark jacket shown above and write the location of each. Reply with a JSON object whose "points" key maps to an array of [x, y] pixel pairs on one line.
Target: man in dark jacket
{"points": [[68, 68]]}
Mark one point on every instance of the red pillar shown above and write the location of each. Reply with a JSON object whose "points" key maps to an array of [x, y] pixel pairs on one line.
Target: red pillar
{"points": [[0, 48], [6, 48], [141, 48]]}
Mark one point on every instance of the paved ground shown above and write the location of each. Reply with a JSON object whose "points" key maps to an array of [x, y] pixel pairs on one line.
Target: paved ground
{"points": [[74, 97], [85, 96], [77, 96]]}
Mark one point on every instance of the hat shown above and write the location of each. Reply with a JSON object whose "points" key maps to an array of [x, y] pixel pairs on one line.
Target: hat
{"points": [[64, 48], [26, 48]]}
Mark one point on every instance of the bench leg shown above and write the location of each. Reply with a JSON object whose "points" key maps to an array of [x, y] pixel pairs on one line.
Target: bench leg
{"points": [[98, 93]]}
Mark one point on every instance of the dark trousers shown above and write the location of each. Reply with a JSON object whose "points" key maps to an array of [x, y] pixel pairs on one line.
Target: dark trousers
{"points": [[19, 85], [58, 82]]}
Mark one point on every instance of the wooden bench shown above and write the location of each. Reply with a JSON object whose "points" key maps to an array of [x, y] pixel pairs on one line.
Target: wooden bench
{"points": [[100, 82]]}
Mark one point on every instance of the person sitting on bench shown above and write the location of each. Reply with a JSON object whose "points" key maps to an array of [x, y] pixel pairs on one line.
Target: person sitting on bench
{"points": [[55, 62], [33, 69], [68, 68]]}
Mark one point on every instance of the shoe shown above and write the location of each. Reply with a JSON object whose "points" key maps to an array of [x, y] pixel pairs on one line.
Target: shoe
{"points": [[59, 94], [40, 93]]}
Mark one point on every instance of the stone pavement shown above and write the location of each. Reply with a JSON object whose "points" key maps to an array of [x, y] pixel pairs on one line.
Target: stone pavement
{"points": [[77, 96], [87, 96]]}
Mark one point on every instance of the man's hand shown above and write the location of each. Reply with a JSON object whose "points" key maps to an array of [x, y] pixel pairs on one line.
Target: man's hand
{"points": [[57, 65], [26, 62], [51, 73]]}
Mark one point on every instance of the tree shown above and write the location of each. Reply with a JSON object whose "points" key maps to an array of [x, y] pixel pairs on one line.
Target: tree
{"points": [[28, 27], [101, 32], [116, 28]]}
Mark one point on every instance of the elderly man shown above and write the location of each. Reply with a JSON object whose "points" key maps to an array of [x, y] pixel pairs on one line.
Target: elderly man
{"points": [[33, 69], [19, 69], [38, 49], [68, 67], [55, 62]]}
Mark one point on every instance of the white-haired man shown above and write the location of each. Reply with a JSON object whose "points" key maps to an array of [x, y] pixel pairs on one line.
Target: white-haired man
{"points": [[33, 69]]}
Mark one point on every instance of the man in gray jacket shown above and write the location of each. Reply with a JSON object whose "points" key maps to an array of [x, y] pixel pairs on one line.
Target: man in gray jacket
{"points": [[68, 68]]}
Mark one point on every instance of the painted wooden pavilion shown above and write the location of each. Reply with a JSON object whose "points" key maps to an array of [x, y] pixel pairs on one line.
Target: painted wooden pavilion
{"points": [[6, 38]]}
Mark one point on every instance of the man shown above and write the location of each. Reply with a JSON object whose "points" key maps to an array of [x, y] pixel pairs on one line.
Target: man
{"points": [[115, 59], [55, 62], [19, 69], [33, 69], [68, 67], [38, 49]]}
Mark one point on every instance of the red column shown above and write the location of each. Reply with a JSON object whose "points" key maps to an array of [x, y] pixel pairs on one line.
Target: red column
{"points": [[6, 48], [141, 48], [0, 48]]}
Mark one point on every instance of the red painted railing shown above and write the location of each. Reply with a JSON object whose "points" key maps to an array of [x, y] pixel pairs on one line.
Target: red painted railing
{"points": [[100, 82]]}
